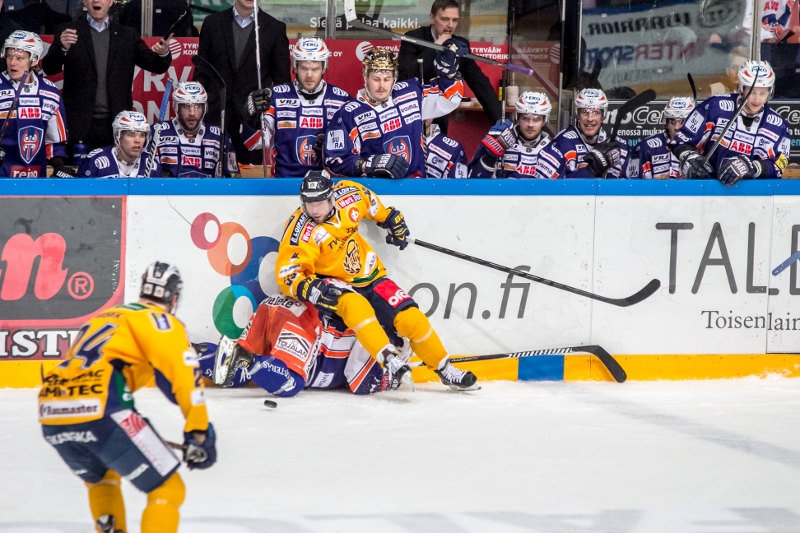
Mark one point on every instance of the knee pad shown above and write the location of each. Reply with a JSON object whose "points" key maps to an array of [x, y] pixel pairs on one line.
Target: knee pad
{"points": [[162, 513], [413, 324]]}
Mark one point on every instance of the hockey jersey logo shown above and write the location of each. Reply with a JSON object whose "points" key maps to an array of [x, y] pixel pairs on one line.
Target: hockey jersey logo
{"points": [[351, 263], [30, 141], [305, 150], [400, 146]]}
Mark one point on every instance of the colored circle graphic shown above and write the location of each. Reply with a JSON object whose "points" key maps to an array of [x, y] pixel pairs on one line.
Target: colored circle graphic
{"points": [[218, 255], [224, 311], [199, 231], [248, 278]]}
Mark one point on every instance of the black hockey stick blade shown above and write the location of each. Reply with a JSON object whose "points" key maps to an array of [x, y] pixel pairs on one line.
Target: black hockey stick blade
{"points": [[611, 364], [692, 85], [634, 103], [171, 30], [633, 299]]}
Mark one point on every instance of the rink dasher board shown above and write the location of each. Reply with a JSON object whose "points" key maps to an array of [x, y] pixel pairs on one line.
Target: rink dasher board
{"points": [[720, 311]]}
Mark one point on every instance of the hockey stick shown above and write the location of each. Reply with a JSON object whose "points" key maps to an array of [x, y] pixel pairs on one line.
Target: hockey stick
{"points": [[200, 59], [692, 85], [258, 72], [707, 156], [633, 299], [14, 103], [162, 112], [352, 19], [631, 105], [171, 30], [611, 364]]}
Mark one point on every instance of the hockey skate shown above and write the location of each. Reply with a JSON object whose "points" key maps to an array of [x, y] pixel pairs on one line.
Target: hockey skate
{"points": [[230, 357], [456, 379], [397, 372], [107, 524]]}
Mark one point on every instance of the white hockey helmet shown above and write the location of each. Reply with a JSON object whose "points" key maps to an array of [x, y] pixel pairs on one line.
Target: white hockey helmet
{"points": [[310, 49], [189, 92], [531, 103], [761, 72], [679, 107], [27, 41], [130, 121], [591, 99]]}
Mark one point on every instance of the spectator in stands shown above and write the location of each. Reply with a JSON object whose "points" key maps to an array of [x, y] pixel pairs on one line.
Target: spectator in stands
{"points": [[37, 16], [7, 25], [98, 57], [227, 42], [444, 21], [736, 58]]}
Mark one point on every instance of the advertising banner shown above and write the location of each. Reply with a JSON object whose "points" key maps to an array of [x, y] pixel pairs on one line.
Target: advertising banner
{"points": [[61, 261]]}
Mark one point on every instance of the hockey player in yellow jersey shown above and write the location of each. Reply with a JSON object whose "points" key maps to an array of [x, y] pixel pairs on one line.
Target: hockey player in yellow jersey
{"points": [[87, 411], [323, 259]]}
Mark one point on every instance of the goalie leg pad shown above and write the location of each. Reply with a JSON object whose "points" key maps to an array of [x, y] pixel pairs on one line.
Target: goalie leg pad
{"points": [[413, 324], [162, 513]]}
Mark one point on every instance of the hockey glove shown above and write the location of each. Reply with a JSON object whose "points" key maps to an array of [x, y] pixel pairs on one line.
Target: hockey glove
{"points": [[60, 170], [197, 454], [446, 60], [694, 166], [740, 167], [319, 142], [383, 166], [500, 138], [258, 101], [398, 231], [323, 293], [603, 156]]}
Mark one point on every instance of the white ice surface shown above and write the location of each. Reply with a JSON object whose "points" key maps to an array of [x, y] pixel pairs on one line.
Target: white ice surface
{"points": [[642, 457]]}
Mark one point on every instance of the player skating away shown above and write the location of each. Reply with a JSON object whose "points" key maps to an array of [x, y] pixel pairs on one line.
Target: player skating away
{"points": [[128, 158], [380, 132], [286, 347], [323, 259], [297, 114], [444, 157], [187, 146], [512, 150], [87, 410], [755, 146], [584, 150], [656, 160], [36, 131]]}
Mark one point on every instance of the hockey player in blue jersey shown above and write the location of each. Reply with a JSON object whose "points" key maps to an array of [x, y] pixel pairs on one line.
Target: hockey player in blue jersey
{"points": [[187, 146], [755, 146], [444, 157], [380, 132], [512, 150], [128, 157], [36, 132], [656, 160], [585, 150], [297, 114]]}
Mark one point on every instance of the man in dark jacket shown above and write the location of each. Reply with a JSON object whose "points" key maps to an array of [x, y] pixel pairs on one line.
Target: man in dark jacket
{"points": [[98, 57], [444, 20], [227, 41]]}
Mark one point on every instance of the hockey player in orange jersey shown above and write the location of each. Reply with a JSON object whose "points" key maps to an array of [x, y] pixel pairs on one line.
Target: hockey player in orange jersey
{"points": [[87, 411], [323, 259]]}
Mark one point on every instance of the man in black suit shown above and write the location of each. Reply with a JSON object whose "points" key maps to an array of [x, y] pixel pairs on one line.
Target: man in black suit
{"points": [[444, 20], [227, 41], [98, 57]]}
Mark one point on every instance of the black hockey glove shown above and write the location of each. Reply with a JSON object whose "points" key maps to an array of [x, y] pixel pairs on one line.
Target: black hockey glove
{"points": [[603, 156], [258, 101], [446, 60], [395, 223], [199, 455], [693, 165], [383, 166], [61, 170], [319, 142], [739, 167], [500, 138], [323, 293]]}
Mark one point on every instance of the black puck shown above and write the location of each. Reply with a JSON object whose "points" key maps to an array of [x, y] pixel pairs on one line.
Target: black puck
{"points": [[270, 404]]}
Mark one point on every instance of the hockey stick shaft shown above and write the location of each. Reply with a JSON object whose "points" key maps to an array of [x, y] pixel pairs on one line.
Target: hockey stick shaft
{"points": [[162, 113], [731, 122], [644, 293], [611, 364], [13, 108], [631, 105], [223, 104], [264, 148], [692, 85]]}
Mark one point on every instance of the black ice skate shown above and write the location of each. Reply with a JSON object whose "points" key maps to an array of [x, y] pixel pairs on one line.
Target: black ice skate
{"points": [[397, 371], [456, 379], [107, 524]]}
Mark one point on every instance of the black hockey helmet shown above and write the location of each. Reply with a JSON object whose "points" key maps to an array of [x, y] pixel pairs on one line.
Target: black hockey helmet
{"points": [[160, 283], [317, 186]]}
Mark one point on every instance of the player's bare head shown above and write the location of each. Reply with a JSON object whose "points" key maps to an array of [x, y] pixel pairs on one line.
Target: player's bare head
{"points": [[760, 76], [533, 110], [131, 133], [380, 74], [162, 284], [444, 17], [316, 193], [190, 101], [590, 108], [675, 113], [22, 51], [310, 61]]}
